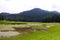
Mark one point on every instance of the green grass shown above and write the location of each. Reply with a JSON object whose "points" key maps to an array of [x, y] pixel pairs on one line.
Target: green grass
{"points": [[13, 22], [53, 33], [10, 22]]}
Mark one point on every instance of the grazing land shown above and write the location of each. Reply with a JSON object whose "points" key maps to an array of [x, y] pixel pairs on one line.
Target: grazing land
{"points": [[52, 32]]}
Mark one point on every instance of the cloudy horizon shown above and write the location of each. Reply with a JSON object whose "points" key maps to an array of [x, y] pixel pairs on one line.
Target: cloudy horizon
{"points": [[16, 6]]}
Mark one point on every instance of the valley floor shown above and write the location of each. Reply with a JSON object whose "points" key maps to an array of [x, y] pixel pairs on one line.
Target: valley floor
{"points": [[53, 32]]}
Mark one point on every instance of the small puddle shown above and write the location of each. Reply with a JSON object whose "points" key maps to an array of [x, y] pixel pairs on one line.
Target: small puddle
{"points": [[9, 34]]}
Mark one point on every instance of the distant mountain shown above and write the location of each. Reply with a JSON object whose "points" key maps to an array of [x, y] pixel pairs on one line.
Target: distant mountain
{"points": [[35, 14], [4, 13]]}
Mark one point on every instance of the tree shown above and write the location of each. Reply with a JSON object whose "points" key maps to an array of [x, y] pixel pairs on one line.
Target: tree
{"points": [[1, 17]]}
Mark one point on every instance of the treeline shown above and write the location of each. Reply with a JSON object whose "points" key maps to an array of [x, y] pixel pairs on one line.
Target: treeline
{"points": [[34, 15]]}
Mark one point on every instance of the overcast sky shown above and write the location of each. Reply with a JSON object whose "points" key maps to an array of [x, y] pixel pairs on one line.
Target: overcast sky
{"points": [[15, 6]]}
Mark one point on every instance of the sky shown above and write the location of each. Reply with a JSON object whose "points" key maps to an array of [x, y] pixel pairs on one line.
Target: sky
{"points": [[16, 6]]}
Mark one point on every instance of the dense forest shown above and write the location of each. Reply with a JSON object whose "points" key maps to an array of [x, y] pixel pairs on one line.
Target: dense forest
{"points": [[34, 15]]}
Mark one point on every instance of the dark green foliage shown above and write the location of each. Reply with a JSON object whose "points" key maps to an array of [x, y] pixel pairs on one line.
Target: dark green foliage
{"points": [[1, 17]]}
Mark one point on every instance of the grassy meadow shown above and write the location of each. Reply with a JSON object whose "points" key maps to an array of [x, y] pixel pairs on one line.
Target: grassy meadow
{"points": [[53, 32]]}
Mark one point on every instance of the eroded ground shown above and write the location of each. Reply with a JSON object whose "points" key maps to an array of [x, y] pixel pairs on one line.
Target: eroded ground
{"points": [[8, 30]]}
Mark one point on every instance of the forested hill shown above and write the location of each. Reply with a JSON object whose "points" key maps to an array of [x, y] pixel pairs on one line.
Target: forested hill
{"points": [[36, 15]]}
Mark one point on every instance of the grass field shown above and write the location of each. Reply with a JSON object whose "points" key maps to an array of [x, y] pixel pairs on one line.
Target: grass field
{"points": [[53, 33], [10, 22]]}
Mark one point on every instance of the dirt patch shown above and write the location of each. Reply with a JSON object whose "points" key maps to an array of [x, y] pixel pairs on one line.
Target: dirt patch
{"points": [[8, 34], [18, 29], [29, 29]]}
